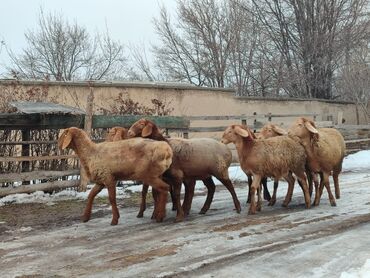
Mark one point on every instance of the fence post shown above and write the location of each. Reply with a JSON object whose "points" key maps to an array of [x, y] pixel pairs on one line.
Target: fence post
{"points": [[269, 117], [340, 118], [244, 122], [186, 134], [88, 128], [25, 152]]}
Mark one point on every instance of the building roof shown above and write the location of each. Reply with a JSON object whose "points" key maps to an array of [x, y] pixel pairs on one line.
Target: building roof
{"points": [[28, 107]]}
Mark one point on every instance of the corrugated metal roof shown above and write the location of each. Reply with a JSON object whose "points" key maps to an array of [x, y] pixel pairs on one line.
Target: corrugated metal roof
{"points": [[27, 107]]}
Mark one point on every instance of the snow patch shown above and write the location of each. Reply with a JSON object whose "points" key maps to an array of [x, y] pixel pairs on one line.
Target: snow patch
{"points": [[362, 272], [357, 162]]}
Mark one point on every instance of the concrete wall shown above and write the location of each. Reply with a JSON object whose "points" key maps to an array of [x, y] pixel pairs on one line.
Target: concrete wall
{"points": [[187, 100]]}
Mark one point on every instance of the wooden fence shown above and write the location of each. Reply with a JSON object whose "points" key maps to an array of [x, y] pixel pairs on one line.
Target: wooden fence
{"points": [[49, 180], [357, 137]]}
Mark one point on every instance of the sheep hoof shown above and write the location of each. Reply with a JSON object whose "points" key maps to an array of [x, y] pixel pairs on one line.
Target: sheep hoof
{"points": [[173, 208], [159, 219], [252, 211], [203, 210], [85, 218], [272, 202], [179, 219], [285, 205], [333, 203], [238, 208], [114, 222], [259, 208], [140, 215]]}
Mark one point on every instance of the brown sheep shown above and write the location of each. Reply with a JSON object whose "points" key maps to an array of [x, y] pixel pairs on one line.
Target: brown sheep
{"points": [[274, 157], [268, 131], [194, 159], [107, 162], [116, 133], [325, 148], [120, 133]]}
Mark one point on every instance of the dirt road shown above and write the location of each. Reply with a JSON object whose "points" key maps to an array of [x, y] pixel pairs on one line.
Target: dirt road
{"points": [[322, 241]]}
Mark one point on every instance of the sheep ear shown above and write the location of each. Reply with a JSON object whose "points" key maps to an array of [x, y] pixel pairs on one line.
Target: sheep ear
{"points": [[311, 128], [147, 130], [279, 130], [241, 132], [65, 140]]}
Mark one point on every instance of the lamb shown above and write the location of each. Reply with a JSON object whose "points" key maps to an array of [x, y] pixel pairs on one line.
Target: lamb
{"points": [[325, 149], [193, 159], [131, 159], [273, 157]]}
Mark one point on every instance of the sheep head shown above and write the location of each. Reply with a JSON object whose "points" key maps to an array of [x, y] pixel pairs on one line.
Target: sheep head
{"points": [[141, 128], [235, 132], [271, 130], [65, 138], [305, 129], [116, 133]]}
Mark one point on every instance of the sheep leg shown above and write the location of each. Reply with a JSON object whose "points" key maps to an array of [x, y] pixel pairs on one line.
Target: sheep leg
{"points": [[155, 199], [162, 189], [211, 187], [315, 181], [249, 188], [227, 183], [266, 193], [273, 198], [336, 183], [176, 185], [290, 179], [173, 199], [189, 194], [259, 198], [303, 184], [326, 183], [90, 199], [317, 190], [254, 187], [112, 200], [144, 192]]}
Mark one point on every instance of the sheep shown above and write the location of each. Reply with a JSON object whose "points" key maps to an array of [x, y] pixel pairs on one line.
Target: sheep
{"points": [[120, 133], [193, 159], [267, 131], [273, 157], [107, 162], [116, 133], [325, 149]]}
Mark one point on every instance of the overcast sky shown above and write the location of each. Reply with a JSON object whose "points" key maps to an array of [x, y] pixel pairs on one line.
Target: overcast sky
{"points": [[129, 21]]}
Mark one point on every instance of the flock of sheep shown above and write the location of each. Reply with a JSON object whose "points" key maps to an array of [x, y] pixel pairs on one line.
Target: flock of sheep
{"points": [[143, 153]]}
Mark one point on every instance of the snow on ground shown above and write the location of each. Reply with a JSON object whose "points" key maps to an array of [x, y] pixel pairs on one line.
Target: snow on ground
{"points": [[363, 272], [323, 241], [357, 162]]}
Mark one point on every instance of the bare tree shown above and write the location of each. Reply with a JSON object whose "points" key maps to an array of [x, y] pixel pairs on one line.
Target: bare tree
{"points": [[310, 37], [198, 47], [353, 80], [60, 50]]}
